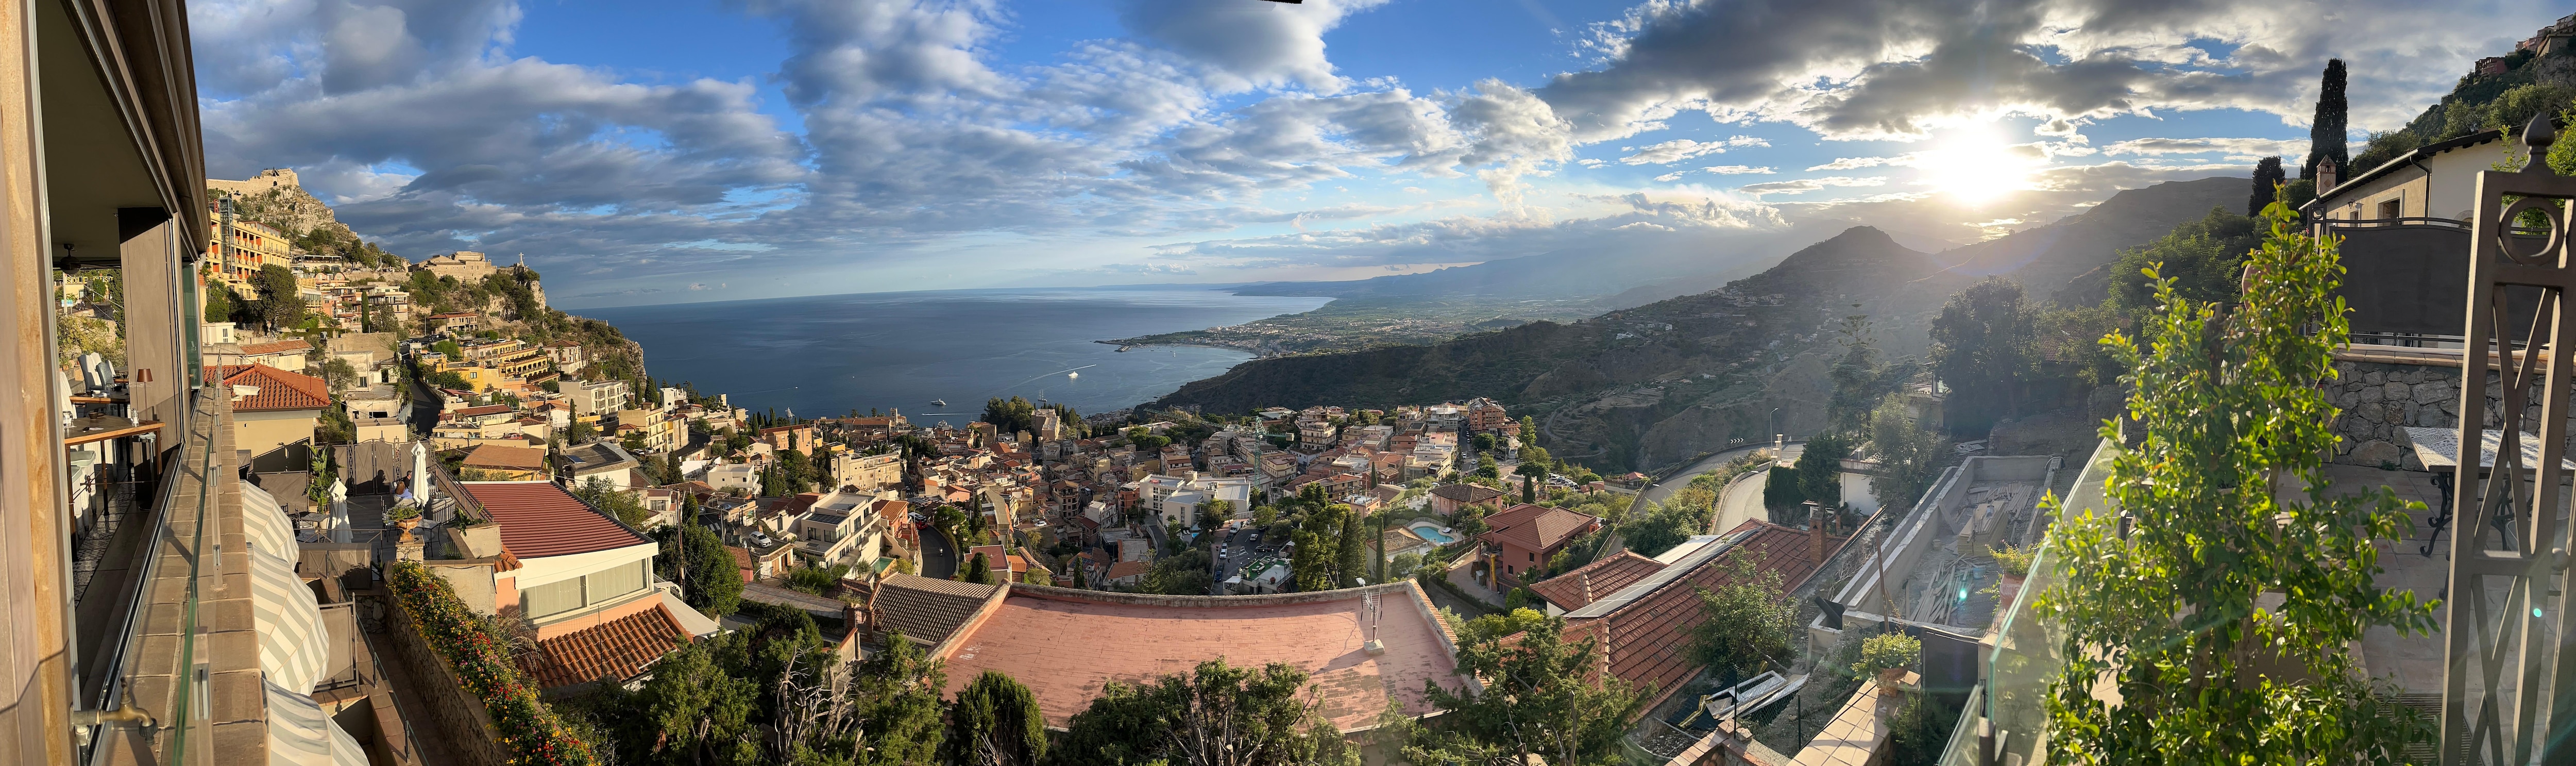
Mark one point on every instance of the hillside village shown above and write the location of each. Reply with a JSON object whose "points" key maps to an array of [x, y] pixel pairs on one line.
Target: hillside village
{"points": [[1791, 520]]}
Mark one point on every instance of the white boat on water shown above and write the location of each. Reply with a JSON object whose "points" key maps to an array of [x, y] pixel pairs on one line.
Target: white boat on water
{"points": [[1073, 376], [939, 402]]}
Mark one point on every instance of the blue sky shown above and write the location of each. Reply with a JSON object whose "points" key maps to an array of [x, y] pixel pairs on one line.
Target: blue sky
{"points": [[668, 151]]}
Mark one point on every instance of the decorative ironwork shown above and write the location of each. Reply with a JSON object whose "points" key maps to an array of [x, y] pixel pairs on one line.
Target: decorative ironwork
{"points": [[2504, 616]]}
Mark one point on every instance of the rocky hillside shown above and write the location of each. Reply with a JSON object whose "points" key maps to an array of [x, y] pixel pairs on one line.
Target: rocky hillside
{"points": [[279, 202], [1651, 385]]}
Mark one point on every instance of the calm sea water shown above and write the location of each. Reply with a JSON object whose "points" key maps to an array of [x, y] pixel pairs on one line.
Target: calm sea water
{"points": [[827, 355]]}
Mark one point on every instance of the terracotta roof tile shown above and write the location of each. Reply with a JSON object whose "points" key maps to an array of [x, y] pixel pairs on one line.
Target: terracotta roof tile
{"points": [[539, 519], [1064, 644], [278, 389], [928, 610], [1648, 639], [505, 457], [1537, 527], [1467, 493], [284, 346], [1572, 590], [619, 649]]}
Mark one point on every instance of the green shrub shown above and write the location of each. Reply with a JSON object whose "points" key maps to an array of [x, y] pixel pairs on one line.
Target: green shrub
{"points": [[483, 666]]}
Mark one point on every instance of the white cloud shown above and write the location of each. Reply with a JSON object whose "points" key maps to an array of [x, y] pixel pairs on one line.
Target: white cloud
{"points": [[1855, 69], [1670, 152], [1804, 185], [1738, 170], [2228, 146]]}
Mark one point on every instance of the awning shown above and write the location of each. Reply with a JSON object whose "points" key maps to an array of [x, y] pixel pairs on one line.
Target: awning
{"points": [[293, 648], [300, 734]]}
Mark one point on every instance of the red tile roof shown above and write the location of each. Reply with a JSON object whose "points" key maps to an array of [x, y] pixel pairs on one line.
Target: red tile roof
{"points": [[284, 346], [1572, 590], [1536, 527], [1064, 644], [1648, 639], [619, 649], [539, 519], [488, 409], [278, 389], [505, 457]]}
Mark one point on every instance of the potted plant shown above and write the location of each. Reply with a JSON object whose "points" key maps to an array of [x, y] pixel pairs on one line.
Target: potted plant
{"points": [[405, 517], [2015, 563], [1887, 656]]}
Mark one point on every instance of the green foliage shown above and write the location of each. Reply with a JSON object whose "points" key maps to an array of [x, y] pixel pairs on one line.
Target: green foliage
{"points": [[2205, 258], [1351, 555], [695, 558], [1780, 490], [1820, 471], [2233, 425], [825, 581], [2327, 130], [1215, 714], [1661, 527], [484, 668], [620, 504], [1745, 623], [1859, 379], [1402, 566], [1500, 624], [2268, 176], [2015, 561], [1909, 456], [74, 336], [1542, 699], [995, 722], [979, 571], [280, 305], [1180, 574], [1919, 732], [896, 699], [1887, 651], [705, 713], [1981, 347]]}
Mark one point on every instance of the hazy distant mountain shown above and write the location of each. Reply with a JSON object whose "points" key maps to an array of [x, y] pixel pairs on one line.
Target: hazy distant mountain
{"points": [[1578, 272], [1644, 386]]}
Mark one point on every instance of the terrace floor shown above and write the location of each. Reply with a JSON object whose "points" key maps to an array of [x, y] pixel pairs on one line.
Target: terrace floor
{"points": [[2413, 662]]}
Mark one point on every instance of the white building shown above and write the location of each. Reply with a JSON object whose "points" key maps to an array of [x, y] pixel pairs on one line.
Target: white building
{"points": [[1176, 499]]}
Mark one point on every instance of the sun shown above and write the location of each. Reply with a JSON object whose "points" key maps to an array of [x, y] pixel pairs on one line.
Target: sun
{"points": [[1976, 166]]}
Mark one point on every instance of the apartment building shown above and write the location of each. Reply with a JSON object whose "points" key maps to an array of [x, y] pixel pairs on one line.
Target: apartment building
{"points": [[198, 631], [592, 400]]}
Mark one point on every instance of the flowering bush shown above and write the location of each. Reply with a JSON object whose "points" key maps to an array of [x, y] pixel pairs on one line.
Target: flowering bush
{"points": [[482, 664]]}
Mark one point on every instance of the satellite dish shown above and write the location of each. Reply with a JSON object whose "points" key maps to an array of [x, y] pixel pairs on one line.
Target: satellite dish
{"points": [[90, 378]]}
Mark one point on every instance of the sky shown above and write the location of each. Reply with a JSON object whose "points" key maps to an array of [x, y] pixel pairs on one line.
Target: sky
{"points": [[666, 151]]}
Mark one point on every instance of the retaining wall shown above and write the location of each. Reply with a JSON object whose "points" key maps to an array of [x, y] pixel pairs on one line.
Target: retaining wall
{"points": [[457, 718]]}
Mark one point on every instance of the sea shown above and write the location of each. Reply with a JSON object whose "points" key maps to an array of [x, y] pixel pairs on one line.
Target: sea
{"points": [[823, 356]]}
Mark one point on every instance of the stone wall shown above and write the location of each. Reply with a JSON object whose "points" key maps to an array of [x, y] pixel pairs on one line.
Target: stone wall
{"points": [[2379, 396], [455, 715]]}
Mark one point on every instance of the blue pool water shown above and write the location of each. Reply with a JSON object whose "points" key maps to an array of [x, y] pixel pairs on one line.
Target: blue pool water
{"points": [[1431, 532]]}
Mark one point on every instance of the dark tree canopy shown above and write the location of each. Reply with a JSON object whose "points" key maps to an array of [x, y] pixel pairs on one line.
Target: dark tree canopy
{"points": [[1981, 347], [995, 722], [2326, 133], [2268, 177]]}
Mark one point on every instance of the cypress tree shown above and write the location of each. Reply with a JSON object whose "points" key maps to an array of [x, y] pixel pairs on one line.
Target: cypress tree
{"points": [[2326, 132], [2267, 178]]}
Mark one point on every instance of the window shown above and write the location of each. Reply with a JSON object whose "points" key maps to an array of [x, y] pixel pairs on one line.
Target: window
{"points": [[590, 590], [551, 598], [603, 587], [2391, 208]]}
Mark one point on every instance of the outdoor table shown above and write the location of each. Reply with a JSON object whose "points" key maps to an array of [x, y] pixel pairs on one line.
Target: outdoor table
{"points": [[104, 427], [2439, 449]]}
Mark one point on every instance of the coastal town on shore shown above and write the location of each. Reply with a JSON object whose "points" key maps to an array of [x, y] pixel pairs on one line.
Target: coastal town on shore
{"points": [[440, 412]]}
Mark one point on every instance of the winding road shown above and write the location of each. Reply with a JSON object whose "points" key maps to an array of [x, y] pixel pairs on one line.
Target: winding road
{"points": [[1663, 490], [938, 555]]}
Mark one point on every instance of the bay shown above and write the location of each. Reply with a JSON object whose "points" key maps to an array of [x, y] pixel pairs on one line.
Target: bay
{"points": [[827, 355]]}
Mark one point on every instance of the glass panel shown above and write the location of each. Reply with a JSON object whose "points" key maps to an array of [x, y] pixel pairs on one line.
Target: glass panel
{"points": [[608, 585], [551, 598]]}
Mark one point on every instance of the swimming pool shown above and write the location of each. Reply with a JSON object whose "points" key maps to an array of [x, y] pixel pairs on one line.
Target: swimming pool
{"points": [[1429, 531]]}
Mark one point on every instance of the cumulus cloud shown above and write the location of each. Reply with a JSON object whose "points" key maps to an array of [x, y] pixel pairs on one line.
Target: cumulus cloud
{"points": [[1673, 151], [1863, 69], [1248, 45], [1804, 185], [2228, 146]]}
